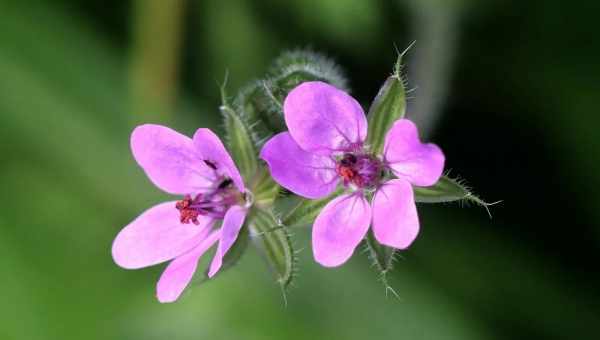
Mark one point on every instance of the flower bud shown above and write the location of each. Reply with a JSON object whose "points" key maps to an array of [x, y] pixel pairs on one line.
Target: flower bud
{"points": [[261, 102]]}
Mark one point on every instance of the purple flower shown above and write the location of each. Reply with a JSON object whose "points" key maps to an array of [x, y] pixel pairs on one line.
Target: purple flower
{"points": [[325, 145], [200, 170]]}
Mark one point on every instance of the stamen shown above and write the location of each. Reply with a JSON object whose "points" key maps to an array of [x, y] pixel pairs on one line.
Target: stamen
{"points": [[210, 164], [361, 170], [346, 173], [214, 203], [348, 160], [225, 183], [187, 214]]}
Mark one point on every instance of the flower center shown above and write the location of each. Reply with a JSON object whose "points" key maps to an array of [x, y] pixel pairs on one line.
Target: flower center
{"points": [[213, 204], [361, 170]]}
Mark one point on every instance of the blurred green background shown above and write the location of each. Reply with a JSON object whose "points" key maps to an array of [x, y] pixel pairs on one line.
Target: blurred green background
{"points": [[509, 89]]}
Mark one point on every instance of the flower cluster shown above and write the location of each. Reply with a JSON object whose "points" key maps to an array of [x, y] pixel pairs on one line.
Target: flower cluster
{"points": [[316, 147]]}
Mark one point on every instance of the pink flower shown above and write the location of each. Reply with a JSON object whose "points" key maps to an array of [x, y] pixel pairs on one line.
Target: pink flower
{"points": [[325, 145], [200, 170]]}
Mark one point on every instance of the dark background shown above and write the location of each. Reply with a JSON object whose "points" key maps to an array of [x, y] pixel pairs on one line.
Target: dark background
{"points": [[508, 89]]}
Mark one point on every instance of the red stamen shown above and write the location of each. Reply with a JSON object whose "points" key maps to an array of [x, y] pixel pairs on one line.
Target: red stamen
{"points": [[187, 214], [346, 172]]}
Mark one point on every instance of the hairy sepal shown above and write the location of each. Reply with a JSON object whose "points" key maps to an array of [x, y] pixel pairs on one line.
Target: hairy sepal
{"points": [[240, 143], [305, 211], [388, 106], [382, 258], [273, 241], [261, 102], [232, 257], [450, 190], [265, 189]]}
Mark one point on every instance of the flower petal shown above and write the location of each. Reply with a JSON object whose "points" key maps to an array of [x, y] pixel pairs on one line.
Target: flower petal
{"points": [[180, 271], [232, 223], [420, 164], [170, 160], [324, 119], [395, 219], [339, 228], [304, 173], [210, 148], [156, 236]]}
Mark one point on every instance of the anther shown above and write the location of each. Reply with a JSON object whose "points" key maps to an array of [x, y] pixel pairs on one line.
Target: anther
{"points": [[225, 183], [210, 164], [186, 213]]}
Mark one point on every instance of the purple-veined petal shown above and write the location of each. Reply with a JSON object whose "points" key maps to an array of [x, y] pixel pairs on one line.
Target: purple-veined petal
{"points": [[210, 148], [339, 228], [395, 219], [180, 271], [419, 163], [170, 160], [232, 223], [323, 119], [156, 236], [304, 173]]}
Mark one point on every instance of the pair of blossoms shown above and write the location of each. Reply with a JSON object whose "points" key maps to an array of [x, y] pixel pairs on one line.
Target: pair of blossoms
{"points": [[324, 145]]}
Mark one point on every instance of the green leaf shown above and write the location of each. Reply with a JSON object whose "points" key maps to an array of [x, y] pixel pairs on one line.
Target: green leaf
{"points": [[305, 212], [240, 142], [272, 239], [388, 106]]}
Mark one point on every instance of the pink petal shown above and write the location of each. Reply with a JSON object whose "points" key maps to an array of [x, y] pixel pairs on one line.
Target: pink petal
{"points": [[232, 223], [304, 173], [395, 220], [180, 271], [156, 236], [420, 164], [323, 119], [170, 160], [209, 146], [339, 228]]}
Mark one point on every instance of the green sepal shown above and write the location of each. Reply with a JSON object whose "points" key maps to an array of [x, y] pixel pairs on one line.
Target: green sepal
{"points": [[388, 106], [264, 188], [382, 257], [314, 65], [261, 102], [239, 141], [449, 190], [445, 190], [273, 240], [305, 212], [232, 257], [238, 249]]}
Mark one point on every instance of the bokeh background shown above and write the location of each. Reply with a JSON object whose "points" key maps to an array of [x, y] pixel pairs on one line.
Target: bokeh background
{"points": [[509, 89]]}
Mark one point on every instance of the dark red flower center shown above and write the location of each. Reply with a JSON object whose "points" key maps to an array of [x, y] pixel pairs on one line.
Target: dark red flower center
{"points": [[361, 170]]}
